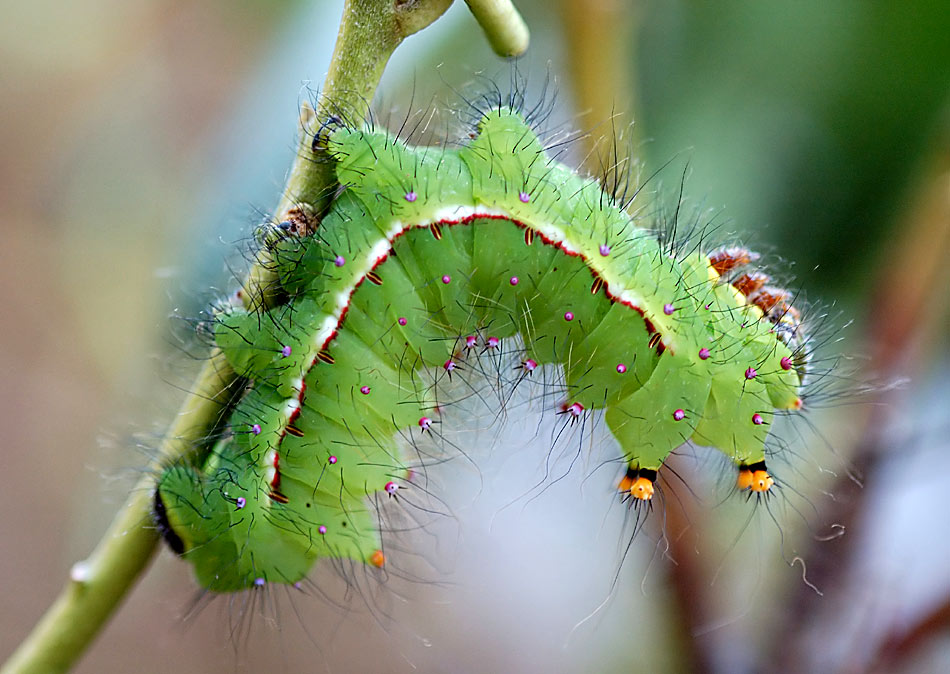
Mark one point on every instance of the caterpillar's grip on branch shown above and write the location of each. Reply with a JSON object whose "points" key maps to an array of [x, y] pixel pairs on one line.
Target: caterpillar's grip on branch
{"points": [[429, 258]]}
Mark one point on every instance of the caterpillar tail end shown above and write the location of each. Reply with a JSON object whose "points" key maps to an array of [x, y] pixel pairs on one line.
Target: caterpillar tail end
{"points": [[638, 483], [754, 478]]}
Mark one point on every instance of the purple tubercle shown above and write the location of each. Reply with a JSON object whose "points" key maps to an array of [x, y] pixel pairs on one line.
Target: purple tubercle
{"points": [[411, 196], [524, 197], [668, 309], [604, 250], [285, 351], [339, 261]]}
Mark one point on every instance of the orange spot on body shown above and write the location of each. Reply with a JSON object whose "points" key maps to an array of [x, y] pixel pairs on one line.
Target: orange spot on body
{"points": [[639, 488], [758, 481], [761, 481], [377, 559]]}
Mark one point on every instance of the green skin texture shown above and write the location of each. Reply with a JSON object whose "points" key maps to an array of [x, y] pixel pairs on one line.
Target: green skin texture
{"points": [[476, 194]]}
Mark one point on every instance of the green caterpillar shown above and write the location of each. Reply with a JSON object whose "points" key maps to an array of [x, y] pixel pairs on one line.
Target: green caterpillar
{"points": [[428, 260]]}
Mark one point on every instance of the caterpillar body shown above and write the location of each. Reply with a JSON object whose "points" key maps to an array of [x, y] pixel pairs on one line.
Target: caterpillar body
{"points": [[427, 259]]}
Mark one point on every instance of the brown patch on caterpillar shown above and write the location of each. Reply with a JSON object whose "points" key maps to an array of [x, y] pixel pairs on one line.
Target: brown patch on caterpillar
{"points": [[528, 236], [294, 431], [776, 304], [655, 340], [725, 260], [300, 219], [597, 285], [638, 483], [749, 284], [325, 357], [374, 277], [754, 477], [436, 230]]}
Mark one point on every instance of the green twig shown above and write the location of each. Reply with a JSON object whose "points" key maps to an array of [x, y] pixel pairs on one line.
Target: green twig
{"points": [[369, 32], [506, 30]]}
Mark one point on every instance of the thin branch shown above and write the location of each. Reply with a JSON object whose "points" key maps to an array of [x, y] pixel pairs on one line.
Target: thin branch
{"points": [[503, 25]]}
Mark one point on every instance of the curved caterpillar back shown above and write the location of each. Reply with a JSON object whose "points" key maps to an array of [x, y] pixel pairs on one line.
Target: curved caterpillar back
{"points": [[427, 259]]}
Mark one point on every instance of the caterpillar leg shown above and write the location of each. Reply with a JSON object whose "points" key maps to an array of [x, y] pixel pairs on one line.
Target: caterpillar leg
{"points": [[638, 483], [754, 477]]}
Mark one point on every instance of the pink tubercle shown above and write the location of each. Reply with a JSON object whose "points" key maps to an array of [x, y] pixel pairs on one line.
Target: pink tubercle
{"points": [[364, 390], [321, 530], [391, 488], [425, 423], [446, 279], [757, 419], [786, 363], [493, 342], [568, 316], [256, 429], [331, 460], [751, 373], [621, 368], [402, 320], [513, 280], [679, 415], [471, 341], [703, 353], [449, 365], [530, 365]]}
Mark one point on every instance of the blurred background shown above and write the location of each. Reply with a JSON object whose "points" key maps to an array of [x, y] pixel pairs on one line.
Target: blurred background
{"points": [[142, 141]]}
